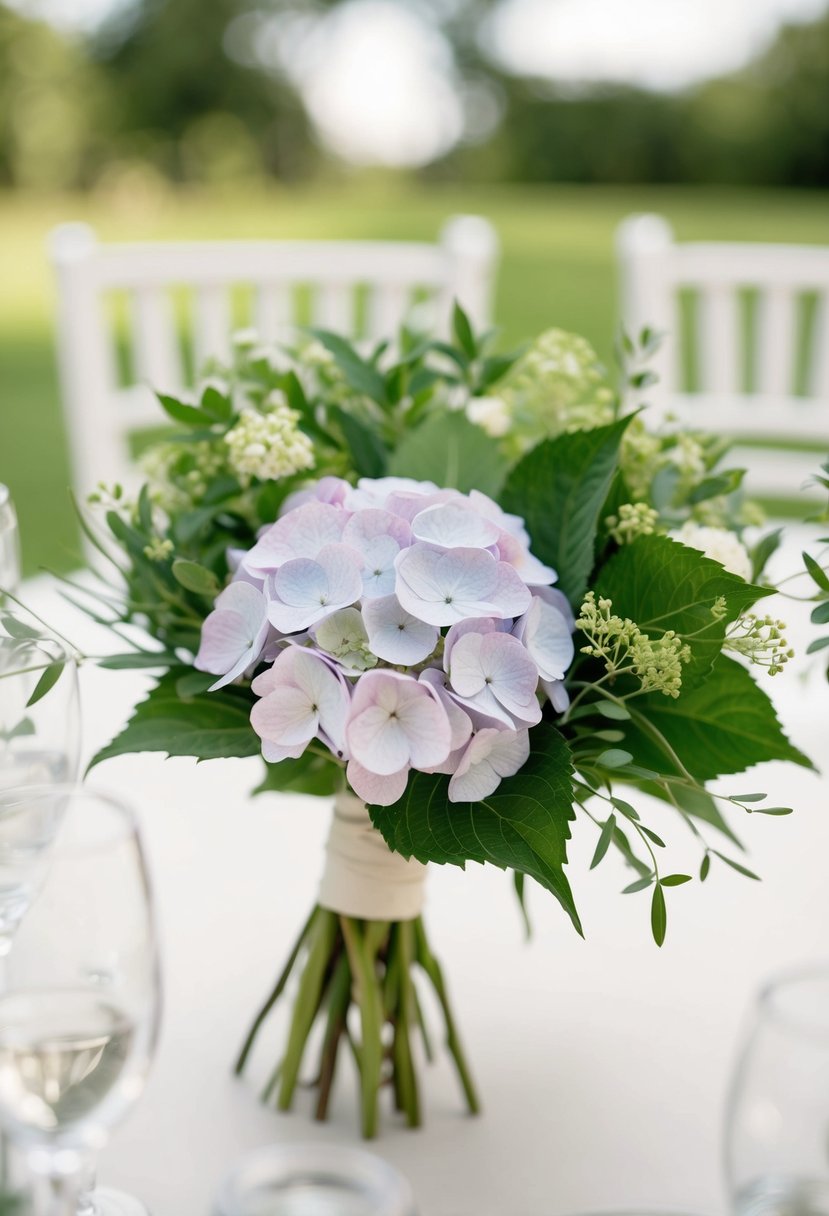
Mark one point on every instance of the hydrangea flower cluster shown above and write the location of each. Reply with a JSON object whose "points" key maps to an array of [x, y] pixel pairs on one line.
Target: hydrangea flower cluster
{"points": [[403, 626]]}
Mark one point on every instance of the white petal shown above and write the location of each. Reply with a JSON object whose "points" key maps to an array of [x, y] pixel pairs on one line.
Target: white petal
{"points": [[460, 724], [395, 635], [490, 756], [301, 582], [546, 635], [342, 567], [378, 741], [454, 524]]}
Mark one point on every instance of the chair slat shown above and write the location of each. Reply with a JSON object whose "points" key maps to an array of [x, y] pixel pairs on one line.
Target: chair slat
{"points": [[720, 340], [387, 308], [273, 313], [818, 381], [156, 354], [333, 307], [776, 342], [212, 324]]}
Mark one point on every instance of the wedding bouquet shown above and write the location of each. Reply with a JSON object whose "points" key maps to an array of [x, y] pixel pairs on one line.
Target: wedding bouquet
{"points": [[470, 595]]}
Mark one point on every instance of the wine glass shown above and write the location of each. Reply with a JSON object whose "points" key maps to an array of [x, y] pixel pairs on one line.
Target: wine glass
{"points": [[80, 1009], [314, 1180], [9, 544], [39, 709], [777, 1134]]}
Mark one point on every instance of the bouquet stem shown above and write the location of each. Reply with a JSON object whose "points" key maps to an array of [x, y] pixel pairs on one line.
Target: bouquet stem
{"points": [[356, 982]]}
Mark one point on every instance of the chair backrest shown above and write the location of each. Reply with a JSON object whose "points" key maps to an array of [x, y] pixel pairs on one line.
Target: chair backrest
{"points": [[746, 352], [141, 315]]}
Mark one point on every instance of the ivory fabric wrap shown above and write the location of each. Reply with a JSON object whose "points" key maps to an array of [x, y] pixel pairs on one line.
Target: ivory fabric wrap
{"points": [[362, 876]]}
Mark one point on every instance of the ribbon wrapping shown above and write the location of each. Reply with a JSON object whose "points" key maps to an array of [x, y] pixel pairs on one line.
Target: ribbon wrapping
{"points": [[362, 876]]}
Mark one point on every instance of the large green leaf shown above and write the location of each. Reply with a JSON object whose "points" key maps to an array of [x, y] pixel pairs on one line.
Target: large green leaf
{"points": [[661, 584], [208, 725], [559, 488], [362, 377], [451, 451], [723, 726], [524, 825]]}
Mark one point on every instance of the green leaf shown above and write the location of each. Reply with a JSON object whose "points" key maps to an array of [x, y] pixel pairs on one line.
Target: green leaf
{"points": [[463, 332], [675, 880], [659, 915], [818, 644], [724, 726], [766, 546], [308, 774], [817, 572], [451, 451], [207, 726], [820, 615], [362, 377], [641, 884], [735, 865], [18, 629], [630, 812], [495, 368], [651, 835], [47, 681], [135, 659], [524, 825], [187, 415], [610, 709], [368, 452], [661, 585], [614, 757], [196, 578], [605, 838], [705, 867], [559, 489], [216, 405], [773, 810], [713, 487], [520, 886]]}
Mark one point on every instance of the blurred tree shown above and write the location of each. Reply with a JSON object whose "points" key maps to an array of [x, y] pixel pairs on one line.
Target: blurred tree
{"points": [[189, 106], [51, 100]]}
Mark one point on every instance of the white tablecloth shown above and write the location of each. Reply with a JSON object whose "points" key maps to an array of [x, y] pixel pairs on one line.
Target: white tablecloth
{"points": [[603, 1064]]}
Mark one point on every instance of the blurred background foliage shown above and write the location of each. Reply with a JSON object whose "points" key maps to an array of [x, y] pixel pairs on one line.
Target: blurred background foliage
{"points": [[208, 92], [211, 119]]}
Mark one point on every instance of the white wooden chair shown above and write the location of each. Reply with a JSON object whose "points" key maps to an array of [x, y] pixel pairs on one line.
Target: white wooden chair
{"points": [[747, 346], [364, 289]]}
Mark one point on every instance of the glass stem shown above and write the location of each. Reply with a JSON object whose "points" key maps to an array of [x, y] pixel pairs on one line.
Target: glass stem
{"points": [[57, 1194]]}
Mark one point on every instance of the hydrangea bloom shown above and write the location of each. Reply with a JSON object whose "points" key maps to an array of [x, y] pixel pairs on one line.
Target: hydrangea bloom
{"points": [[400, 625]]}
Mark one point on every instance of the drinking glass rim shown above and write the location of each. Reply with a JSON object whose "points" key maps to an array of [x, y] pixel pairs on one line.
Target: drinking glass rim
{"points": [[784, 979], [73, 789]]}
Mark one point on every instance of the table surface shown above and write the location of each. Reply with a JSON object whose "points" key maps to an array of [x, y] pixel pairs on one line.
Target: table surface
{"points": [[603, 1063]]}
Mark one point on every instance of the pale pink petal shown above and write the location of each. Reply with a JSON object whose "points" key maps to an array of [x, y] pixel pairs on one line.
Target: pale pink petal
{"points": [[300, 533], [300, 582], [286, 716], [280, 672], [326, 690], [426, 725], [454, 524], [342, 567], [366, 526], [490, 510], [510, 596], [490, 756], [234, 633], [378, 740], [473, 624], [395, 721], [532, 571], [333, 490], [273, 753], [394, 634], [374, 789], [460, 724]]}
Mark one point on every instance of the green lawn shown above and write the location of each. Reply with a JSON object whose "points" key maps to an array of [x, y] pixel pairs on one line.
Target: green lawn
{"points": [[557, 269]]}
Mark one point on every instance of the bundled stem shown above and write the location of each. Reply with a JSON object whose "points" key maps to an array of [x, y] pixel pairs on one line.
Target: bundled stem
{"points": [[344, 963]]}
